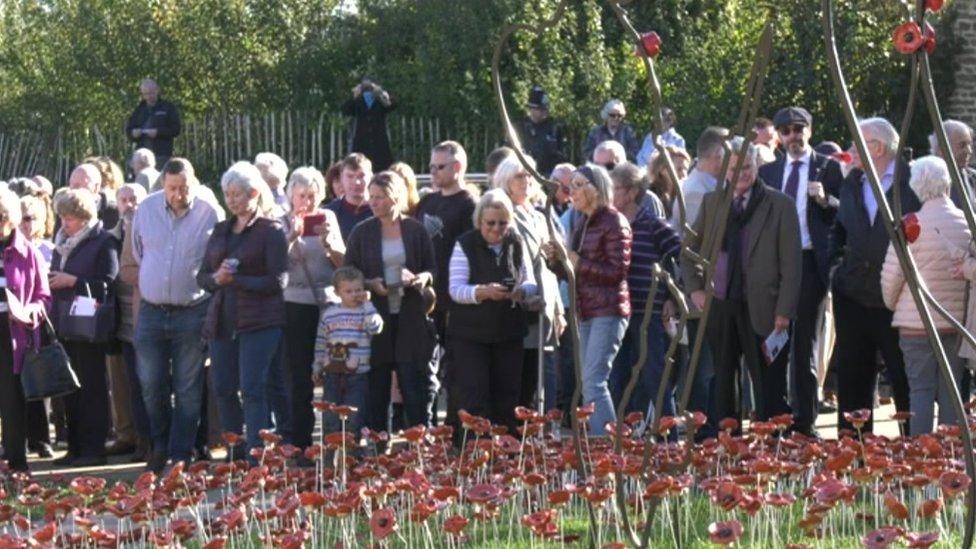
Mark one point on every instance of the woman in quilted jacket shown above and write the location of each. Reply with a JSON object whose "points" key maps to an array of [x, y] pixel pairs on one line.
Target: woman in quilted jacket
{"points": [[940, 246]]}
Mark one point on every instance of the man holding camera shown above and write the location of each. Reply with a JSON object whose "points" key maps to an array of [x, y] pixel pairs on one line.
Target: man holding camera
{"points": [[368, 108]]}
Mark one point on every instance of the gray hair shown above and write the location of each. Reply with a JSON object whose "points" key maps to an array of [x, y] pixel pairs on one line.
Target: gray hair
{"points": [[612, 105], [91, 172], [506, 172], [951, 127], [630, 176], [307, 177], [144, 158], [562, 169], [752, 153], [930, 178], [273, 166], [137, 190], [10, 207], [614, 148], [246, 177], [601, 182], [883, 131], [494, 198]]}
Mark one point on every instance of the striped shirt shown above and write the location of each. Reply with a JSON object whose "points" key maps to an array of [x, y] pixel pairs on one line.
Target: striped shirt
{"points": [[654, 242], [344, 337], [463, 292]]}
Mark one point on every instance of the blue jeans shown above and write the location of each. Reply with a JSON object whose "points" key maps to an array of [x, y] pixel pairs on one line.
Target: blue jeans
{"points": [[701, 387], [169, 361], [245, 362], [349, 389], [600, 338], [645, 392]]}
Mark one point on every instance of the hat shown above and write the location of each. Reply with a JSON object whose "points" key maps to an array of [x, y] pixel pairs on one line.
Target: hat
{"points": [[538, 98], [792, 115]]}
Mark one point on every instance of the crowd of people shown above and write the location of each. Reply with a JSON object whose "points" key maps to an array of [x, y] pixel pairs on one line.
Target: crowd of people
{"points": [[230, 312]]}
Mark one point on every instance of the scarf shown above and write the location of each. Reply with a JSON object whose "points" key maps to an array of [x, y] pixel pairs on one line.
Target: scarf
{"points": [[65, 244], [732, 245]]}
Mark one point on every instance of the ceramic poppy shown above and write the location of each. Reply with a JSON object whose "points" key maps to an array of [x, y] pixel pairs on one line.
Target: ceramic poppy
{"points": [[651, 43], [911, 227], [725, 532], [908, 38], [382, 523], [934, 5]]}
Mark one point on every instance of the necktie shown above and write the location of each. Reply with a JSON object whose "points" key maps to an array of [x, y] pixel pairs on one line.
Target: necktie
{"points": [[793, 181], [738, 204]]}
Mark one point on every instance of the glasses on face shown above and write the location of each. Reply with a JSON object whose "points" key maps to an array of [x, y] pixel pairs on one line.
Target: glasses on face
{"points": [[492, 223], [438, 167], [578, 184], [615, 115], [28, 218], [795, 128]]}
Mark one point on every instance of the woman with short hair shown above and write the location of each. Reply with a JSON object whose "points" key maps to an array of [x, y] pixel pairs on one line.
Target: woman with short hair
{"points": [[396, 256], [600, 256], [85, 263], [315, 250], [245, 267]]}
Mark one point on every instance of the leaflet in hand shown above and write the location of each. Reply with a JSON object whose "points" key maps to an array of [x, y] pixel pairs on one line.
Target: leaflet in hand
{"points": [[774, 345]]}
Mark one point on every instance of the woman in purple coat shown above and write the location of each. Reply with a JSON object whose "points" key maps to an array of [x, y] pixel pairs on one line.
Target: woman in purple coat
{"points": [[23, 306]]}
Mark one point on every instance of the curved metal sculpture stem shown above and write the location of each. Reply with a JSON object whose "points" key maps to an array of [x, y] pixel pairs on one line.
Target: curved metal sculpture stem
{"points": [[572, 317], [906, 125], [711, 244], [904, 257]]}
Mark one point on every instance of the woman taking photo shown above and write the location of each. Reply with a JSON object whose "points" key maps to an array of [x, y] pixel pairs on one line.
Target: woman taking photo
{"points": [[600, 257], [315, 250], [396, 256], [85, 263], [245, 268], [23, 306], [489, 275]]}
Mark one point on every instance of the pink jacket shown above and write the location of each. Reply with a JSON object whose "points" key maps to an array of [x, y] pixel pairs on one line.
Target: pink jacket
{"points": [[26, 274]]}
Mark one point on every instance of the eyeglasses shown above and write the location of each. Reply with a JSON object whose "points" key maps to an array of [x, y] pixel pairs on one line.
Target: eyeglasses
{"points": [[609, 166], [28, 218], [578, 184], [795, 128], [615, 115], [438, 167], [493, 223]]}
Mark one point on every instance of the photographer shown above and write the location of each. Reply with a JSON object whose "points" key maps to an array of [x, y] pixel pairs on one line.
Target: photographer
{"points": [[368, 107]]}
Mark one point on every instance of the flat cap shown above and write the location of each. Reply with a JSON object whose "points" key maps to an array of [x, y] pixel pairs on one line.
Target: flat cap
{"points": [[792, 115]]}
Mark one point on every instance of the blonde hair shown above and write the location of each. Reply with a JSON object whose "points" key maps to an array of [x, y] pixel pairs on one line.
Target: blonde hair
{"points": [[392, 186], [10, 206], [411, 196], [509, 170], [37, 206]]}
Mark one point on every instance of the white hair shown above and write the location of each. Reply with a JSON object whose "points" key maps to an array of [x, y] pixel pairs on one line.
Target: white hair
{"points": [[137, 190], [273, 166], [493, 198], [752, 152], [91, 172], [561, 169], [951, 127], [614, 148], [142, 158], [930, 178], [506, 172], [246, 177], [612, 105], [10, 207], [883, 131], [305, 177], [601, 182]]}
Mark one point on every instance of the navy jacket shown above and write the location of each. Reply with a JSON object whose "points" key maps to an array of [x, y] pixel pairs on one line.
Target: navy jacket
{"points": [[859, 246], [162, 116], [819, 218], [94, 261]]}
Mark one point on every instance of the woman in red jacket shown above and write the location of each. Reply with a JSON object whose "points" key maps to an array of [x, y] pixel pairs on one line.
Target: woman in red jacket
{"points": [[600, 256]]}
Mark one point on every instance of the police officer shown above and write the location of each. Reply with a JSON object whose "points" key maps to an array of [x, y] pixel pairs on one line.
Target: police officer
{"points": [[542, 138]]}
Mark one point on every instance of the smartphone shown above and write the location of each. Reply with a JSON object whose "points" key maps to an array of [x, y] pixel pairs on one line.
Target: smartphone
{"points": [[311, 222]]}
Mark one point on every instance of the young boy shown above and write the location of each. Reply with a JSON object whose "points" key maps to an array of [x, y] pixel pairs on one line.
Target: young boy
{"points": [[342, 348]]}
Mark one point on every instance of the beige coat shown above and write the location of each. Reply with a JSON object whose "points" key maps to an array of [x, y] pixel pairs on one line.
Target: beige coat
{"points": [[944, 230]]}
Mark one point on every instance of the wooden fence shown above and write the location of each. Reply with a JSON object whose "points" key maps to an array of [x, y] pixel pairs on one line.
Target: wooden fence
{"points": [[214, 141]]}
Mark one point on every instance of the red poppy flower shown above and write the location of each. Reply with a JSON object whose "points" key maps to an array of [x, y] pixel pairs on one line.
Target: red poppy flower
{"points": [[908, 38], [323, 406], [344, 411], [523, 413], [508, 444], [780, 500], [46, 534], [929, 39], [311, 499], [666, 424], [232, 439], [559, 497], [911, 227], [233, 519], [841, 460], [929, 508], [728, 424], [921, 539], [880, 538], [953, 483], [555, 415], [539, 520], [415, 433], [422, 511], [583, 412], [633, 418], [651, 44], [843, 157], [87, 486], [483, 493], [382, 523], [934, 5], [455, 524], [724, 533], [726, 495], [895, 507]]}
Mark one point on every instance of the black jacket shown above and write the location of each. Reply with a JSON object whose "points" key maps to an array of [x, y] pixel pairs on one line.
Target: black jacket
{"points": [[369, 130], [545, 142], [95, 263], [819, 218], [969, 180], [162, 116], [414, 331], [860, 247]]}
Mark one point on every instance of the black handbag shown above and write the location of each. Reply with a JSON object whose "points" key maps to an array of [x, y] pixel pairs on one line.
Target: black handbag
{"points": [[47, 369], [98, 328]]}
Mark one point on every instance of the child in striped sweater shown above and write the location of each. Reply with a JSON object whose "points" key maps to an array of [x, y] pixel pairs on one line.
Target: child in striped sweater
{"points": [[342, 348]]}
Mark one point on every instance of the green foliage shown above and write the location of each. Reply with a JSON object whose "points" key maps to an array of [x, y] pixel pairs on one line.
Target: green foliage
{"points": [[75, 64]]}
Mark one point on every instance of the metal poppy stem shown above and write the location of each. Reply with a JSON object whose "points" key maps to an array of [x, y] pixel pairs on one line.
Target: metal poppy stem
{"points": [[905, 258], [711, 244], [572, 314]]}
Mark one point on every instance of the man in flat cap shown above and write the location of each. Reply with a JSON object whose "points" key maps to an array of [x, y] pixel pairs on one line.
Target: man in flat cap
{"points": [[542, 138], [813, 181]]}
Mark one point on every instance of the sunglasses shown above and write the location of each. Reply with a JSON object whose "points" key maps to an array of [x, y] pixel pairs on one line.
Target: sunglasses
{"points": [[438, 167], [795, 128], [495, 223]]}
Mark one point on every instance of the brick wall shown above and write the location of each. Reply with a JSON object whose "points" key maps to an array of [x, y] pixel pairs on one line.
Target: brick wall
{"points": [[962, 104]]}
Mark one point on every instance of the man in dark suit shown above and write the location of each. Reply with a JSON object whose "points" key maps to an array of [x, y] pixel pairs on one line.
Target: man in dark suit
{"points": [[961, 143], [756, 282], [813, 182], [154, 123], [858, 245]]}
